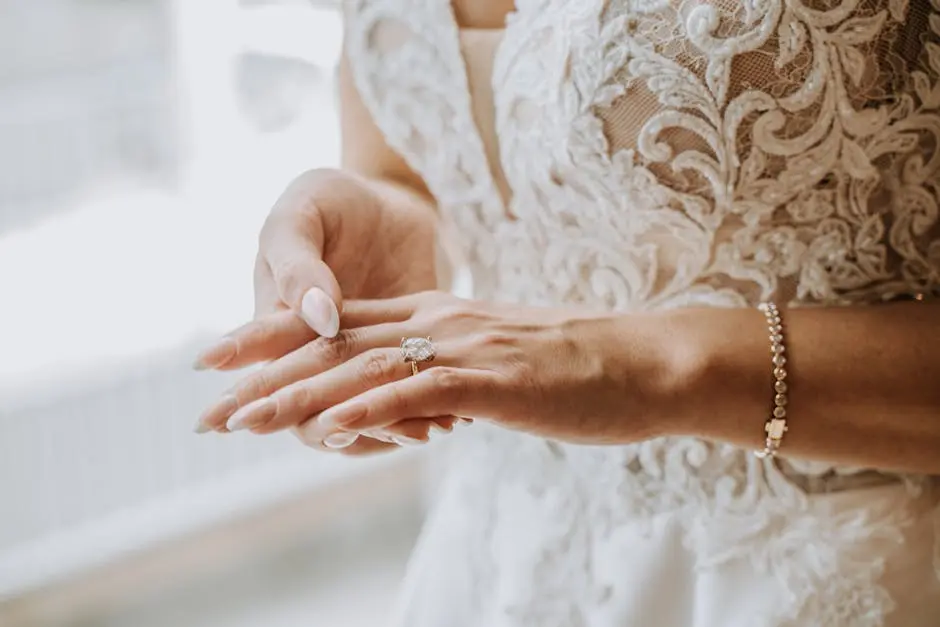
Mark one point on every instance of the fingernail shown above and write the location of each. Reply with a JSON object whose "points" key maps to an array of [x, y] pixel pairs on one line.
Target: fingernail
{"points": [[340, 440], [380, 435], [201, 428], [254, 414], [404, 440], [339, 416], [216, 355], [219, 413], [438, 428], [319, 311]]}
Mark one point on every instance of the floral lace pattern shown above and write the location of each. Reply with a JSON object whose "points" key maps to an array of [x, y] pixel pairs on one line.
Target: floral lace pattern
{"points": [[666, 153]]}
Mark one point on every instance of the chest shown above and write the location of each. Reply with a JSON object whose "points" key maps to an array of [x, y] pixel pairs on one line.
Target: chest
{"points": [[654, 151]]}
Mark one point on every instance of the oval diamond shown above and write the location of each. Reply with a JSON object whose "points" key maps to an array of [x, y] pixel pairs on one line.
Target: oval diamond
{"points": [[417, 349]]}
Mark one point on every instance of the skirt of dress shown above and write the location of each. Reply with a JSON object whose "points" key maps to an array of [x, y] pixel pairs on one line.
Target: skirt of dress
{"points": [[501, 549]]}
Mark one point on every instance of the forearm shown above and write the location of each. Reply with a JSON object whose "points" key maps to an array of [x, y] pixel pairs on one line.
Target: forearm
{"points": [[366, 153], [864, 382]]}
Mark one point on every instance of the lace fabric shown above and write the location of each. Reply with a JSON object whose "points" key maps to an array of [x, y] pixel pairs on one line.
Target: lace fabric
{"points": [[666, 153]]}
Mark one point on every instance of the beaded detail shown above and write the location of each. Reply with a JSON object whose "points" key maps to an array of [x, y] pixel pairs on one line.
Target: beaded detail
{"points": [[776, 425]]}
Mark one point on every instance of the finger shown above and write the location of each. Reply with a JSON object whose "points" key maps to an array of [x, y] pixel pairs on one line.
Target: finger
{"points": [[362, 313], [416, 431], [363, 446], [269, 337], [291, 245], [367, 446], [309, 360], [435, 392], [308, 396], [412, 432], [267, 300]]}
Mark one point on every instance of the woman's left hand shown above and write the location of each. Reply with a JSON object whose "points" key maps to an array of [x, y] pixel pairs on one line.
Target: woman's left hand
{"points": [[557, 373]]}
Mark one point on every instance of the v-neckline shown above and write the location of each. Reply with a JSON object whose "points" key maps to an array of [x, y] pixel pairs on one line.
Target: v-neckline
{"points": [[457, 32]]}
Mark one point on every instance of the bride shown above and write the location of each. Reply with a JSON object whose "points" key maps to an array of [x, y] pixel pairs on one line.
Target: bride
{"points": [[701, 364]]}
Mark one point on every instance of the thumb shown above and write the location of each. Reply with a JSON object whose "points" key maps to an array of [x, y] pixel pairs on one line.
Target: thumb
{"points": [[304, 282]]}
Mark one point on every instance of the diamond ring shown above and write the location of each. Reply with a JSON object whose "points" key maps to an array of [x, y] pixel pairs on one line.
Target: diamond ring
{"points": [[415, 350]]}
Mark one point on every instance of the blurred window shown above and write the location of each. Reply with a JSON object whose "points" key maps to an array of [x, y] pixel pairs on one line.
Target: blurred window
{"points": [[141, 145]]}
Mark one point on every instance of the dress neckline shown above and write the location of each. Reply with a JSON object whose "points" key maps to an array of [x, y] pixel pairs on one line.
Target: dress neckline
{"points": [[456, 31]]}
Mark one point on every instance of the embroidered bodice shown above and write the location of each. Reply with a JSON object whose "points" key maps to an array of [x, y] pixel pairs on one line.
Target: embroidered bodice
{"points": [[666, 153]]}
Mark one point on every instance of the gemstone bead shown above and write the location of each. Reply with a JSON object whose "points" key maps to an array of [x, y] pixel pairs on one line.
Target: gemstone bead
{"points": [[780, 400], [780, 387], [780, 374], [779, 360], [780, 412]]}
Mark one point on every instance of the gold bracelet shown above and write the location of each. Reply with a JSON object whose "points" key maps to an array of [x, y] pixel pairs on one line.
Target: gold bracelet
{"points": [[776, 425]]}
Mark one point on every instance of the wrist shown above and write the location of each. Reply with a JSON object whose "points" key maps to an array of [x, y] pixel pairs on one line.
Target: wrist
{"points": [[725, 374], [689, 372], [648, 369]]}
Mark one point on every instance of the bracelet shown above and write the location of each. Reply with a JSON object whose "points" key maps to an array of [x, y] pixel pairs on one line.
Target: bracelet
{"points": [[776, 425]]}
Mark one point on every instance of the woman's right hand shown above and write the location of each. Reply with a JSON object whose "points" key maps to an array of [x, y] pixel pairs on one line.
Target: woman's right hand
{"points": [[335, 235], [331, 235]]}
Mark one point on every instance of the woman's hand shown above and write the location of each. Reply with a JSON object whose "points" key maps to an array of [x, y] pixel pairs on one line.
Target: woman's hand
{"points": [[278, 333], [557, 373], [331, 235]]}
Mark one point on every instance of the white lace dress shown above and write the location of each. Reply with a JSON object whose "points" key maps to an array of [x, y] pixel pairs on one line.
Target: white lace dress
{"points": [[655, 154]]}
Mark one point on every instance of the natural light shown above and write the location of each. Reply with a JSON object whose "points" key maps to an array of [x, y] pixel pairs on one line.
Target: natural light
{"points": [[124, 269]]}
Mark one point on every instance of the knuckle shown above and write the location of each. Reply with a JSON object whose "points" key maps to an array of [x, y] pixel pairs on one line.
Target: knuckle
{"points": [[494, 339], [451, 313], [334, 350], [395, 401], [375, 369], [447, 379], [288, 269], [293, 399], [257, 385], [521, 373]]}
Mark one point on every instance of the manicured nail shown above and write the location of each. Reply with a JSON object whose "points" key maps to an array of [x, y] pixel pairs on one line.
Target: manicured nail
{"points": [[201, 428], [219, 413], [254, 414], [438, 428], [404, 440], [339, 416], [340, 440], [216, 355], [319, 311], [380, 435]]}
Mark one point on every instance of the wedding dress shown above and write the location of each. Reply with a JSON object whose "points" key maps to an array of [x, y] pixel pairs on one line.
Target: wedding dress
{"points": [[648, 154]]}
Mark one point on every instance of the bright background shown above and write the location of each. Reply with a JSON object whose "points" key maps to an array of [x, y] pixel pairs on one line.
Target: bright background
{"points": [[141, 145]]}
